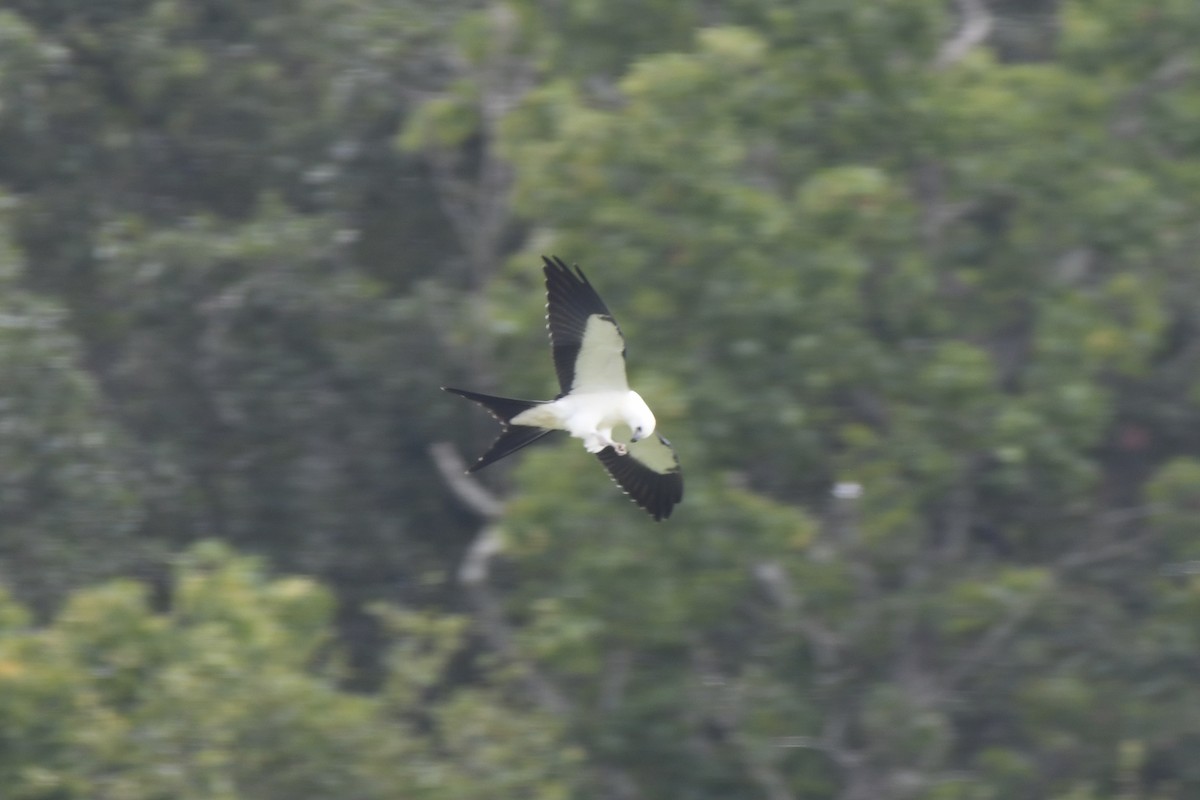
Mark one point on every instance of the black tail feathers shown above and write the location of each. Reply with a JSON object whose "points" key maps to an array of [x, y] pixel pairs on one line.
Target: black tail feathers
{"points": [[502, 408], [513, 437]]}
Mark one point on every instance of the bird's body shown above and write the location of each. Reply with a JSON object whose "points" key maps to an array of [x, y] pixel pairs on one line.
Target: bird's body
{"points": [[596, 405], [593, 417]]}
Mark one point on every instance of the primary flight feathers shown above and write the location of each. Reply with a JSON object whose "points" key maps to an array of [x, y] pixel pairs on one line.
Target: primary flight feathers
{"points": [[596, 403], [572, 308]]}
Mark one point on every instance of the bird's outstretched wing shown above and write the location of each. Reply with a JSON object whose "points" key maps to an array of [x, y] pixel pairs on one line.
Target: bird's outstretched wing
{"points": [[649, 473], [589, 351]]}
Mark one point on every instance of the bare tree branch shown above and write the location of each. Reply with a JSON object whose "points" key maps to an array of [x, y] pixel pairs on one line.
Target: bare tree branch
{"points": [[489, 614], [824, 642], [472, 493], [476, 200], [473, 576], [1105, 552], [976, 27]]}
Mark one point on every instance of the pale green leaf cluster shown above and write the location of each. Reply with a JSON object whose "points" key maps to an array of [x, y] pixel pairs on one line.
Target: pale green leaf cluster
{"points": [[227, 688]]}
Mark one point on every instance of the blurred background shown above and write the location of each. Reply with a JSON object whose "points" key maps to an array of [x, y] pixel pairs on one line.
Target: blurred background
{"points": [[910, 284]]}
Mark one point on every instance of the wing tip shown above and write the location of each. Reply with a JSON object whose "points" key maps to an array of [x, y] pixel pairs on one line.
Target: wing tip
{"points": [[555, 265], [658, 504]]}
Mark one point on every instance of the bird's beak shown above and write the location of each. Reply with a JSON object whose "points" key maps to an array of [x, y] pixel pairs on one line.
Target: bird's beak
{"points": [[636, 437]]}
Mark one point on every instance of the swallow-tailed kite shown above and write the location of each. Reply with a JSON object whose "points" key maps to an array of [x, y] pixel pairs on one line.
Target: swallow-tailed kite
{"points": [[596, 403]]}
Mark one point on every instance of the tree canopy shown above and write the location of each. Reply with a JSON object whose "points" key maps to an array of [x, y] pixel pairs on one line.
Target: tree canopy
{"points": [[911, 284]]}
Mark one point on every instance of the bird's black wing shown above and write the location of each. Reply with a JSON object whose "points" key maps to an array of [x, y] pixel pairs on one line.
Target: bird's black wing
{"points": [[588, 348], [649, 473]]}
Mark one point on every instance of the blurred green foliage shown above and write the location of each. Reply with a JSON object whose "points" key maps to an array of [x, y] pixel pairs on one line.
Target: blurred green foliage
{"points": [[911, 286], [231, 691]]}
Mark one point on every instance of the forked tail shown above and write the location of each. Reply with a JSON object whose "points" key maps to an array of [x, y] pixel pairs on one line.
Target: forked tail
{"points": [[513, 437]]}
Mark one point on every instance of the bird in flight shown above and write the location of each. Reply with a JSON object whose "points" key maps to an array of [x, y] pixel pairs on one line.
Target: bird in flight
{"points": [[596, 403]]}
